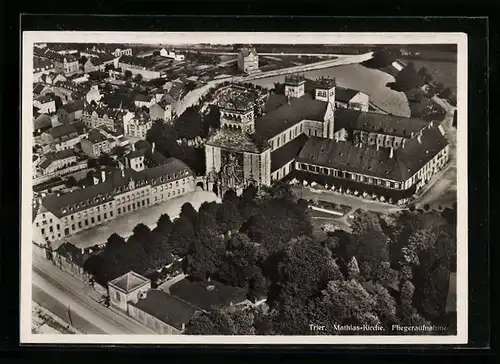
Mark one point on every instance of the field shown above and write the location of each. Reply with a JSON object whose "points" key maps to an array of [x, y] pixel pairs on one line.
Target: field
{"points": [[444, 72]]}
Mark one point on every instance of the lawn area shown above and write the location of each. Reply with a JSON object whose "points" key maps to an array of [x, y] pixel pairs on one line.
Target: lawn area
{"points": [[444, 72]]}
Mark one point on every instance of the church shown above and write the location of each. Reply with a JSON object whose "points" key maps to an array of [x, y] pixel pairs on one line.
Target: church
{"points": [[269, 136]]}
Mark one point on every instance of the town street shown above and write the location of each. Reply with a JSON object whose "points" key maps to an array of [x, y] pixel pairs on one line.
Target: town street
{"points": [[123, 225], [73, 302]]}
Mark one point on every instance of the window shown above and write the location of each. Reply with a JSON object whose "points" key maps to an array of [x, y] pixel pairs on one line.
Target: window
{"points": [[51, 229], [79, 224], [128, 207], [183, 190], [117, 296], [37, 224], [73, 227], [303, 166], [92, 219], [133, 205], [111, 214], [58, 227], [43, 231], [387, 184], [105, 216], [324, 170], [86, 222], [72, 217], [311, 168]]}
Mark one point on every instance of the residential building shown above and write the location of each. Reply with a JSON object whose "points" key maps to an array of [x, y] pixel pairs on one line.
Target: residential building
{"points": [[45, 104], [70, 112], [64, 136], [138, 125], [67, 64], [141, 100], [38, 89], [161, 110], [248, 60], [116, 193], [51, 78], [172, 54], [97, 115], [161, 312], [141, 158], [53, 162], [93, 95], [96, 143], [41, 67], [99, 61], [138, 66]]}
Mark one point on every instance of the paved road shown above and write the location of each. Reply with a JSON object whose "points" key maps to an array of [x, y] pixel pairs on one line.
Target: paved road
{"points": [[56, 291]]}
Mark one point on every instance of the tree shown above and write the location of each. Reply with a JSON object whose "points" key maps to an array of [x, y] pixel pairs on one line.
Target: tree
{"points": [[182, 237], [138, 78], [228, 321], [408, 78], [353, 269], [92, 163], [115, 242], [230, 196], [424, 74], [70, 182], [228, 217], [105, 160], [307, 267], [164, 225], [438, 87], [445, 93], [188, 212], [119, 151], [204, 258], [127, 74], [109, 67]]}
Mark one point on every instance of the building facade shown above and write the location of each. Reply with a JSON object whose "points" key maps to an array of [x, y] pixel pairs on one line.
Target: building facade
{"points": [[95, 116], [114, 194], [96, 144], [248, 60], [137, 125], [138, 66]]}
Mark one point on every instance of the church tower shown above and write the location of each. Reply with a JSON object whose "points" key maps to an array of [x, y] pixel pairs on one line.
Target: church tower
{"points": [[295, 86], [325, 89]]}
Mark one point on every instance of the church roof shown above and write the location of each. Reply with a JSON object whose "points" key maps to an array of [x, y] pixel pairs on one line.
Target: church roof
{"points": [[289, 114], [373, 122], [236, 141], [344, 94], [288, 152], [367, 159], [245, 52]]}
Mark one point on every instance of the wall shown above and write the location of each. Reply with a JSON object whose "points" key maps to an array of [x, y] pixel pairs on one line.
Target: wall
{"points": [[70, 169], [152, 322], [282, 172]]}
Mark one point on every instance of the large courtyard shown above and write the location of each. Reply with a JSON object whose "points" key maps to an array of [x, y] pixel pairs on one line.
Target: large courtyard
{"points": [[124, 225]]}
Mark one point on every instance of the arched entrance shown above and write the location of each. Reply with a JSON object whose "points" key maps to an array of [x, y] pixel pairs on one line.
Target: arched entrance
{"points": [[201, 185]]}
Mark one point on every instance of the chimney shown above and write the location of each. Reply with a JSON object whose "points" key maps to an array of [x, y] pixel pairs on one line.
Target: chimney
{"points": [[378, 146], [133, 147], [82, 251], [403, 143], [419, 138], [392, 153], [96, 180], [153, 147], [183, 326], [103, 176], [39, 200]]}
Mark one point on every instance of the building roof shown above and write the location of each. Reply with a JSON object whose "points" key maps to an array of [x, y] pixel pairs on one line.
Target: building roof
{"points": [[74, 106], [72, 253], [114, 184], [141, 97], [44, 99], [289, 114], [67, 131], [166, 308], [42, 121], [38, 88], [238, 97], [53, 156], [40, 64], [207, 295], [344, 94], [95, 136], [176, 90], [102, 111], [288, 152], [236, 141], [245, 52], [294, 79], [143, 62], [325, 82], [366, 159], [373, 122], [129, 282]]}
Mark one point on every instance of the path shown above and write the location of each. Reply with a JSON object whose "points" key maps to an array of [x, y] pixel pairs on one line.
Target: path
{"points": [[165, 286]]}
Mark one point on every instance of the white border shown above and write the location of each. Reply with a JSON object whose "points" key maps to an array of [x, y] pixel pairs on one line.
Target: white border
{"points": [[29, 38]]}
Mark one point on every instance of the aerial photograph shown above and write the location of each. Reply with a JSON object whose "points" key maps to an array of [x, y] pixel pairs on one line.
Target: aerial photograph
{"points": [[244, 189]]}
